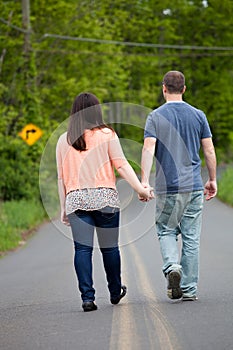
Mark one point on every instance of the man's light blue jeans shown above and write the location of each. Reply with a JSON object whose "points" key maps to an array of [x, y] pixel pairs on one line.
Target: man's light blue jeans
{"points": [[180, 213]]}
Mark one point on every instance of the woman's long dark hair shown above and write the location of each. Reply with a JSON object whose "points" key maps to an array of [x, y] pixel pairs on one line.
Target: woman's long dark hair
{"points": [[86, 113]]}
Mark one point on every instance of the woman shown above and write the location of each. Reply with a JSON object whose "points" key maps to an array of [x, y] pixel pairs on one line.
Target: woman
{"points": [[86, 157]]}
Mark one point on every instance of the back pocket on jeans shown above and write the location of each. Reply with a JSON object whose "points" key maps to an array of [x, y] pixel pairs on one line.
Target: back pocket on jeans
{"points": [[108, 212]]}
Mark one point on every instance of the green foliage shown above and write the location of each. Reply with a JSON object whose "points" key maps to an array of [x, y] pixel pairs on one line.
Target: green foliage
{"points": [[225, 186], [17, 217], [19, 166]]}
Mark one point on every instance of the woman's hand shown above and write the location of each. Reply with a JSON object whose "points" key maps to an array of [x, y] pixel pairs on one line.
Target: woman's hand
{"points": [[64, 219]]}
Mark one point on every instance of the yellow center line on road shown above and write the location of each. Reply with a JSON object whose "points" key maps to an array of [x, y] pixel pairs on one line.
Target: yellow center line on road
{"points": [[160, 325], [126, 328]]}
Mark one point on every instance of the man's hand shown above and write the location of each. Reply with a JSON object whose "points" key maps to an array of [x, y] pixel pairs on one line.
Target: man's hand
{"points": [[210, 190]]}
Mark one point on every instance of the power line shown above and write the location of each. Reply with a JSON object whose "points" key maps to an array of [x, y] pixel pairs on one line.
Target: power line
{"points": [[123, 43], [71, 52], [135, 44], [13, 26]]}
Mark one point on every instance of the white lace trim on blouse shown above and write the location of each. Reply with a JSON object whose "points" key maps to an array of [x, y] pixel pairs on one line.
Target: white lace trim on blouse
{"points": [[91, 199]]}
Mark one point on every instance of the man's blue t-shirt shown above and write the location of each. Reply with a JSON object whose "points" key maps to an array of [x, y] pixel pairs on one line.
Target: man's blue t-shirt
{"points": [[178, 128]]}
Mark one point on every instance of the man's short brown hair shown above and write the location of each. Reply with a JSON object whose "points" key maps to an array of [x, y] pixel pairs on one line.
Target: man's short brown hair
{"points": [[174, 82]]}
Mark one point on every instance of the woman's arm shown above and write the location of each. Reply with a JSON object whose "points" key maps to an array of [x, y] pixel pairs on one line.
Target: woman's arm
{"points": [[62, 198], [125, 170], [61, 185]]}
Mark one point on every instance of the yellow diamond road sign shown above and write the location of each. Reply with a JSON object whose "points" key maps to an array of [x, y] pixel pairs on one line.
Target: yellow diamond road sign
{"points": [[30, 134]]}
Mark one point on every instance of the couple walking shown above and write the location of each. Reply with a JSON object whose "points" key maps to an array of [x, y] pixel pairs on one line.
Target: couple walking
{"points": [[87, 155]]}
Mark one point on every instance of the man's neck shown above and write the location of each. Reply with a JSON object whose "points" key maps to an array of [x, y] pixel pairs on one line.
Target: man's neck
{"points": [[173, 98]]}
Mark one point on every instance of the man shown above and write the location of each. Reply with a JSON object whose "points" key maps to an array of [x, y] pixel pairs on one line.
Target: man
{"points": [[174, 133]]}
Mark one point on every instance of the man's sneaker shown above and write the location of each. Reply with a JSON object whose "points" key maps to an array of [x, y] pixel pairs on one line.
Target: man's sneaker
{"points": [[173, 289], [89, 306], [187, 297], [117, 299]]}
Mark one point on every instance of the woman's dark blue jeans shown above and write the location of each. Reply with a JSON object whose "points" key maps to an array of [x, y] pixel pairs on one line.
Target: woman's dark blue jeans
{"points": [[83, 224]]}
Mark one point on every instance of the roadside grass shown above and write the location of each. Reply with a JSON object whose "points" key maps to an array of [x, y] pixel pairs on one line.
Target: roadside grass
{"points": [[17, 220], [225, 186]]}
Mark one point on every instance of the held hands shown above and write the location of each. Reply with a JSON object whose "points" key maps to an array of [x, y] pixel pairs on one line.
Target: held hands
{"points": [[147, 193], [210, 190]]}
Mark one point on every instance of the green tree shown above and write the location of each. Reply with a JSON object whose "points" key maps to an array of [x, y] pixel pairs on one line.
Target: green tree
{"points": [[39, 84]]}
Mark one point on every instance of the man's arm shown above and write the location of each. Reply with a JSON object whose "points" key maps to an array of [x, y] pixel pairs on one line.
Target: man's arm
{"points": [[210, 159], [148, 152]]}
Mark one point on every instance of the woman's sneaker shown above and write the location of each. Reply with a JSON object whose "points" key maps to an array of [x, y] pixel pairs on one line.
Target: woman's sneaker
{"points": [[117, 299], [89, 306], [173, 288]]}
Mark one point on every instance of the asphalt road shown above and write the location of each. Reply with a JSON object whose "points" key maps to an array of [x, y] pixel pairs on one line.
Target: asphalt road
{"points": [[40, 307]]}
